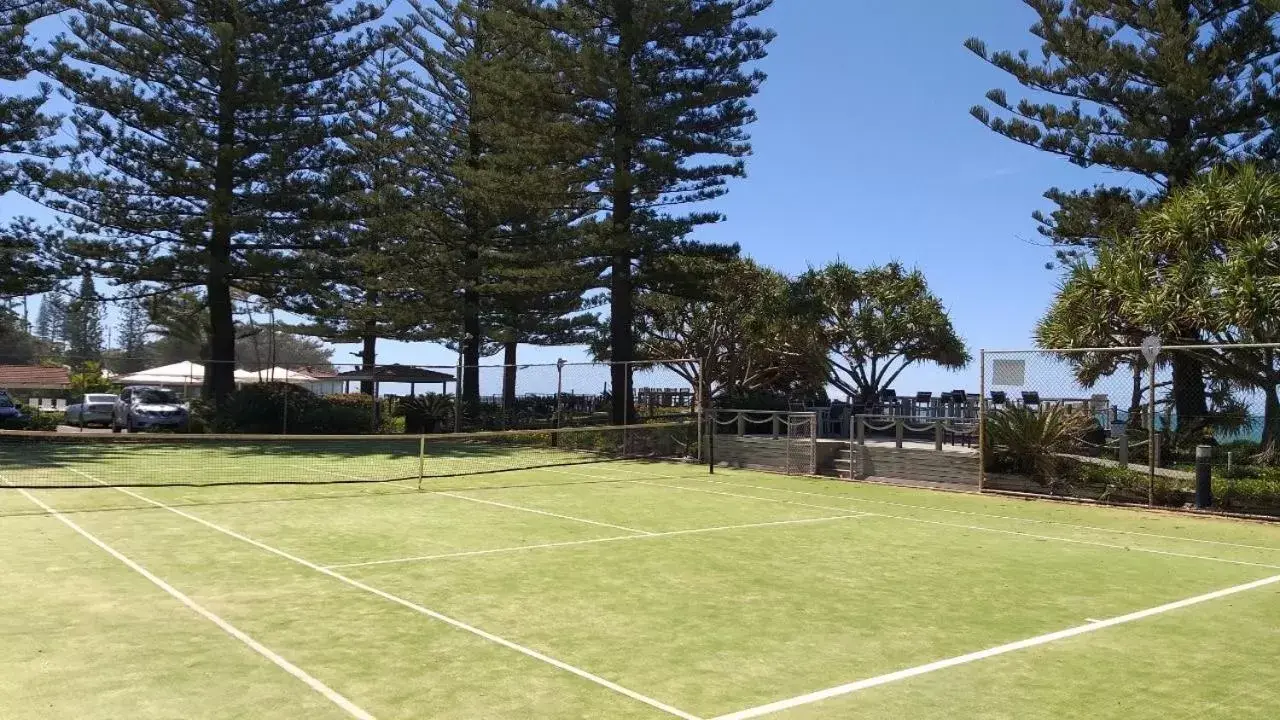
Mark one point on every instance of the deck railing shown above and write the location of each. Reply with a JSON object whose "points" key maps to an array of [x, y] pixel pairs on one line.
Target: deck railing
{"points": [[957, 428]]}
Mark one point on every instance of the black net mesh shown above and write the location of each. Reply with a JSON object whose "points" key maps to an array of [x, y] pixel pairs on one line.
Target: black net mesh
{"points": [[37, 459]]}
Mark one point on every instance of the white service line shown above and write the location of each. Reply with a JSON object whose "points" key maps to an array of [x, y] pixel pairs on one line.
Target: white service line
{"points": [[491, 502], [979, 528], [1094, 626], [329, 693], [538, 512], [411, 605], [953, 511], [615, 538]]}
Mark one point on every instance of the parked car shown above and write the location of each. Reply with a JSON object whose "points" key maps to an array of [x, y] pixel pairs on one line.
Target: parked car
{"points": [[8, 409], [92, 409], [142, 408]]}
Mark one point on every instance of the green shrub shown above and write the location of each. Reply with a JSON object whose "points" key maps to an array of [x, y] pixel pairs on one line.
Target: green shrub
{"points": [[428, 413], [33, 419], [1031, 442]]}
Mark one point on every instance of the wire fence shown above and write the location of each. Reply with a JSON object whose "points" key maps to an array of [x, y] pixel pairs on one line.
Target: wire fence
{"points": [[1123, 424], [776, 441], [350, 398]]}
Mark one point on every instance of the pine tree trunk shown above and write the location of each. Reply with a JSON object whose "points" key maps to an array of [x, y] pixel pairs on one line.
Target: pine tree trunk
{"points": [[621, 285], [1189, 401], [369, 354], [509, 377], [220, 375], [471, 341]]}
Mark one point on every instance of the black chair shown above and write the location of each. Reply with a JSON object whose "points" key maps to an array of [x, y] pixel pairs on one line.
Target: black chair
{"points": [[999, 397], [1031, 398], [924, 403], [888, 402]]}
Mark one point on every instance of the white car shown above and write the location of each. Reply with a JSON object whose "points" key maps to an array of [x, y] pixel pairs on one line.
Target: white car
{"points": [[143, 408], [92, 409]]}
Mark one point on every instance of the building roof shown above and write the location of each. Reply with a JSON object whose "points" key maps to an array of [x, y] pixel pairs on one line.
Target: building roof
{"points": [[397, 374], [35, 377]]}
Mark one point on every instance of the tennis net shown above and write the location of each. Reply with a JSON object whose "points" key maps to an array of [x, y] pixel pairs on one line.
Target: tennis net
{"points": [[42, 459]]}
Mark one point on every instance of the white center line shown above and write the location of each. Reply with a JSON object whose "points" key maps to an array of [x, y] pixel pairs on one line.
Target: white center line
{"points": [[508, 506], [332, 695], [540, 512], [977, 528], [529, 652], [1093, 626], [616, 538]]}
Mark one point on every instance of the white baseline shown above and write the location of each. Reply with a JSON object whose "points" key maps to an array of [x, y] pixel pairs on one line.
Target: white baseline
{"points": [[329, 693]]}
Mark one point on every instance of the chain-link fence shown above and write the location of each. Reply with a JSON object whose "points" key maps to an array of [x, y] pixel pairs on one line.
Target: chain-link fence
{"points": [[353, 399], [1123, 424], [772, 440]]}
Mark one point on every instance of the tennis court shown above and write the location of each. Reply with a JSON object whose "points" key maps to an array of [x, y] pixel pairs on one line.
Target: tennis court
{"points": [[518, 578]]}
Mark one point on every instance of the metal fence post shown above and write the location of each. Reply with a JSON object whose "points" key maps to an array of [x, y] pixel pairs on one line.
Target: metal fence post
{"points": [[559, 411], [284, 419], [777, 424], [1151, 431], [711, 440], [1122, 450], [457, 396], [626, 404], [982, 419]]}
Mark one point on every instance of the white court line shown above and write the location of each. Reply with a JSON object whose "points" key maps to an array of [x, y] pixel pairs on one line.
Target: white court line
{"points": [[979, 528], [616, 538], [332, 695], [539, 512], [853, 687], [491, 502], [410, 604], [953, 511]]}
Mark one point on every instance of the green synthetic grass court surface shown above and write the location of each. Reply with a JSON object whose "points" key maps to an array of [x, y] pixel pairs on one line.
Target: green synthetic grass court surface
{"points": [[620, 590]]}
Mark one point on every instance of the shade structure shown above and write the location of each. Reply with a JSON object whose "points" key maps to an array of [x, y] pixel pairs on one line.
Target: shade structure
{"points": [[179, 373], [396, 374], [276, 374]]}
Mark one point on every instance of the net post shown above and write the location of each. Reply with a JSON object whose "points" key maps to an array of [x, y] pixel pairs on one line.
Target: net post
{"points": [[284, 419], [422, 459], [982, 419]]}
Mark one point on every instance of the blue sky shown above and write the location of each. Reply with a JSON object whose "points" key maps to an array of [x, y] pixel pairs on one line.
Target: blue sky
{"points": [[865, 151]]}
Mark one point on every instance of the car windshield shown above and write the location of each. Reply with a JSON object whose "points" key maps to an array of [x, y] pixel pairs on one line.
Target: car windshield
{"points": [[99, 398], [152, 397]]}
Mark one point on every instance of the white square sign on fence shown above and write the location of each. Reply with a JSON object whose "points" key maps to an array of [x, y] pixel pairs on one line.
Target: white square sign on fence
{"points": [[1008, 371]]}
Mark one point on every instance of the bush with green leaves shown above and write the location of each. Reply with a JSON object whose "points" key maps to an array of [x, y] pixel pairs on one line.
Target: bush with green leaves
{"points": [[32, 419], [427, 413], [1033, 442]]}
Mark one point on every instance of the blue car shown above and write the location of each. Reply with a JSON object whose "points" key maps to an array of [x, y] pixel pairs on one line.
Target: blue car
{"points": [[8, 411]]}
